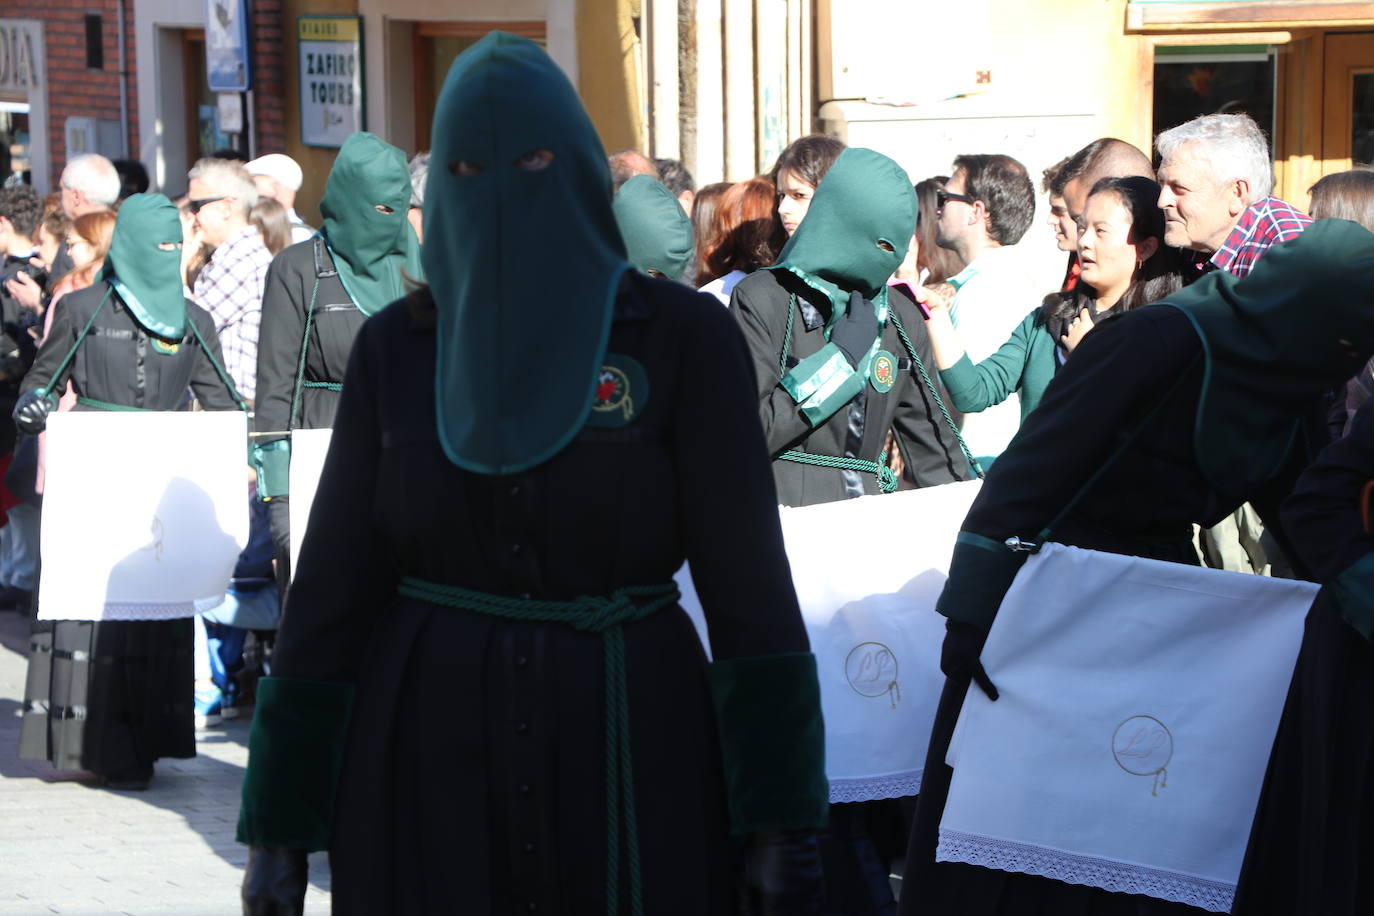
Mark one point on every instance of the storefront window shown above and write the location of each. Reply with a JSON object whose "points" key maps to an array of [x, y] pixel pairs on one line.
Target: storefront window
{"points": [[1362, 126], [1192, 81], [14, 144]]}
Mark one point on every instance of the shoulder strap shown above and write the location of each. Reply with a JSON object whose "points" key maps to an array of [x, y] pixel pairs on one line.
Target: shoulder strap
{"points": [[935, 395], [1015, 543], [66, 360], [224, 376], [305, 337]]}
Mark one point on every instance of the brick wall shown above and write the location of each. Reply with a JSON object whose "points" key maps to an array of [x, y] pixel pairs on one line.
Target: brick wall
{"points": [[269, 75], [73, 90]]}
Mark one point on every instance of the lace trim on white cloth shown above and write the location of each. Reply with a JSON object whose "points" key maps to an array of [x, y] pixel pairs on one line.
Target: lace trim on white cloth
{"points": [[873, 788], [1107, 874], [172, 610]]}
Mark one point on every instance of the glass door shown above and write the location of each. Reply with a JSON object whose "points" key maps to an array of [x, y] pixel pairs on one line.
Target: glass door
{"points": [[1348, 102]]}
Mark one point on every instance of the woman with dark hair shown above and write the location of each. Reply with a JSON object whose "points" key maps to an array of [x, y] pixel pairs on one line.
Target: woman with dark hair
{"points": [[747, 236], [1125, 265], [797, 172]]}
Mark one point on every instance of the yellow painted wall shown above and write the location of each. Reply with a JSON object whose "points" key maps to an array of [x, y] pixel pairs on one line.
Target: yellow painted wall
{"points": [[608, 70]]}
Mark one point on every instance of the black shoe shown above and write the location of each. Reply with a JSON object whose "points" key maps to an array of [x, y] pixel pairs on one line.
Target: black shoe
{"points": [[133, 779]]}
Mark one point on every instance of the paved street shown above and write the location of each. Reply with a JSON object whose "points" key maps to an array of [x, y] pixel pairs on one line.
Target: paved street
{"points": [[67, 846]]}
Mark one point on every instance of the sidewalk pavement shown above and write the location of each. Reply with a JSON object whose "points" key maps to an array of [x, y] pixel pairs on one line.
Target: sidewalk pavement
{"points": [[68, 846]]}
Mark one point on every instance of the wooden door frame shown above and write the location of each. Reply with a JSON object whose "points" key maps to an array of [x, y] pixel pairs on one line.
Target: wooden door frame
{"points": [[1346, 54], [421, 35], [191, 101]]}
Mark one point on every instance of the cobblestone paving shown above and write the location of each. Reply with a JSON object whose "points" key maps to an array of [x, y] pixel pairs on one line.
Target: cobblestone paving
{"points": [[68, 846]]}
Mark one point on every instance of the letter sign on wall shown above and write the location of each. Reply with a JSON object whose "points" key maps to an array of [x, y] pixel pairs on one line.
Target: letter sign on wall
{"points": [[331, 74]]}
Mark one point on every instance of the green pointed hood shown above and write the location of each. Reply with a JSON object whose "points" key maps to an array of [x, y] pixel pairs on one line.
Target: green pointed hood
{"points": [[658, 235], [524, 263], [371, 249], [863, 200], [1299, 324], [146, 277]]}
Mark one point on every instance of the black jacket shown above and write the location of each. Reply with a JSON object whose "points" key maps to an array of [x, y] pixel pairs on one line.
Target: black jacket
{"points": [[929, 449]]}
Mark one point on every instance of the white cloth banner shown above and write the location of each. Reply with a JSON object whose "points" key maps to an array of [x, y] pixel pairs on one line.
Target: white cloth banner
{"points": [[308, 450], [144, 513], [1139, 702], [867, 573]]}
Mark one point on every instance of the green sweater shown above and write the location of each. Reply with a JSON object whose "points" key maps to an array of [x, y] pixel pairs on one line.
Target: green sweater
{"points": [[1025, 363]]}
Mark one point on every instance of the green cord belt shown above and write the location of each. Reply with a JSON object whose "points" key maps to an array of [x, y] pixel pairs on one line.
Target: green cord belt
{"points": [[604, 615], [104, 405], [327, 386], [887, 479]]}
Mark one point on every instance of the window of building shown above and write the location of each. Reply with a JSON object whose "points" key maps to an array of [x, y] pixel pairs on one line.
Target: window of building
{"points": [[14, 144], [1228, 79]]}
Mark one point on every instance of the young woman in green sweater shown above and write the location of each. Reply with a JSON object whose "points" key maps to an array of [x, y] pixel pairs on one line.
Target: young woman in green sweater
{"points": [[1125, 264]]}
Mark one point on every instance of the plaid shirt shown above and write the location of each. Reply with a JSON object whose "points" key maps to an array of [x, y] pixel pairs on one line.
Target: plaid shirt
{"points": [[1265, 223], [230, 289]]}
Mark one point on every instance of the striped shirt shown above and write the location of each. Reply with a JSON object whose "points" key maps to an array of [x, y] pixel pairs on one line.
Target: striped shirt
{"points": [[1264, 223]]}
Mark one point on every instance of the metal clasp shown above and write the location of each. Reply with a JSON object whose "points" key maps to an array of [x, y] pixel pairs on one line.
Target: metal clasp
{"points": [[1019, 546]]}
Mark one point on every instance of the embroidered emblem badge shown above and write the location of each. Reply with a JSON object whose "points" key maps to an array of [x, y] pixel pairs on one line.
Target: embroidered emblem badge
{"points": [[162, 346], [882, 373], [1143, 746], [622, 390], [871, 670]]}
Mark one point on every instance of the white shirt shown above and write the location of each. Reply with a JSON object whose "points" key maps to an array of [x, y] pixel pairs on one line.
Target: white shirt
{"points": [[721, 287], [991, 298], [300, 232]]}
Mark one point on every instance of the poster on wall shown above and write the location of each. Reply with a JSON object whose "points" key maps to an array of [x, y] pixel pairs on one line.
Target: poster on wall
{"points": [[226, 45], [331, 62]]}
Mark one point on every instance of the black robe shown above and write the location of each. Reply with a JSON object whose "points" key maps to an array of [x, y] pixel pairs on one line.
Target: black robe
{"points": [[473, 779], [859, 430], [1144, 504], [114, 696], [302, 272], [1312, 845]]}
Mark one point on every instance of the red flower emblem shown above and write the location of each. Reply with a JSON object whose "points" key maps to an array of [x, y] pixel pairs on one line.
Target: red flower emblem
{"points": [[606, 390]]}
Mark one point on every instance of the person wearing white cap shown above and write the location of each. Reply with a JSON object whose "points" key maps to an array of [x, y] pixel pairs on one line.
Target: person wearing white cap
{"points": [[279, 177]]}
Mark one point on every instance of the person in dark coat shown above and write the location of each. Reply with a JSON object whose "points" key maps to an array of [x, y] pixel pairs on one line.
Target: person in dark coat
{"points": [[1167, 416], [485, 698], [826, 300], [317, 295], [114, 696], [1312, 844]]}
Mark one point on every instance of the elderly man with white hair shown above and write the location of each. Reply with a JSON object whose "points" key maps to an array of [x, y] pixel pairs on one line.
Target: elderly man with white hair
{"points": [[279, 177], [1216, 176]]}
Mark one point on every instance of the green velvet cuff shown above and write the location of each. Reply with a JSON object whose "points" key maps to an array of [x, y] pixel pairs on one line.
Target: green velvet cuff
{"points": [[768, 710], [980, 572], [272, 461], [295, 753], [1353, 592]]}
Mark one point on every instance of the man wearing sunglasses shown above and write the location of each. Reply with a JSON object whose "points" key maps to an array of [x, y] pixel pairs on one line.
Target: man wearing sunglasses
{"points": [[985, 208]]}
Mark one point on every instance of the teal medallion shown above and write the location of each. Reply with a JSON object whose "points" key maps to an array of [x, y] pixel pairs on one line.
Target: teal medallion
{"points": [[622, 390], [882, 372]]}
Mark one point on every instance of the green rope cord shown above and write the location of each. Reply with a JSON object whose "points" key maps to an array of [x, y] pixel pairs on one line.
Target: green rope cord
{"points": [[223, 376], [104, 405], [300, 361], [887, 478], [604, 615], [935, 393], [327, 386], [46, 389]]}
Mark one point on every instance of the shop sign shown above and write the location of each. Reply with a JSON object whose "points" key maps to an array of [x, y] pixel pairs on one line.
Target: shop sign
{"points": [[226, 45], [331, 77], [19, 42]]}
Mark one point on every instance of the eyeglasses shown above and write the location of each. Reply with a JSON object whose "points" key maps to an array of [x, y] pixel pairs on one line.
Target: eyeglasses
{"points": [[943, 197], [195, 206]]}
